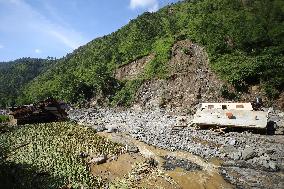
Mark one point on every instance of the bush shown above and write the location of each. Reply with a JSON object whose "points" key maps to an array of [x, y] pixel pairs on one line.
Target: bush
{"points": [[225, 93], [158, 66], [4, 118], [126, 95], [271, 92]]}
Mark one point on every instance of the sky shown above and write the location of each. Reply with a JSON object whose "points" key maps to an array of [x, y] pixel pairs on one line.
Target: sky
{"points": [[42, 28]]}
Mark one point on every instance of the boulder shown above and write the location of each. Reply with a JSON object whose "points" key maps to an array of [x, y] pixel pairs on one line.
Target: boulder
{"points": [[112, 158], [111, 130], [100, 128], [83, 154], [98, 160], [132, 149], [232, 142], [248, 153], [272, 166], [235, 156]]}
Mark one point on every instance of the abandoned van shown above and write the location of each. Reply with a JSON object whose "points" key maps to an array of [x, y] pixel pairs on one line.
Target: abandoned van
{"points": [[240, 115]]}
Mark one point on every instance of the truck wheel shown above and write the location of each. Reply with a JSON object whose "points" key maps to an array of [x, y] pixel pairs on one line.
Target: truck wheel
{"points": [[270, 128]]}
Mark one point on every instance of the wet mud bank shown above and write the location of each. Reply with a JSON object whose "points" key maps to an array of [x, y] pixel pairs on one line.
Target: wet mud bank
{"points": [[147, 166]]}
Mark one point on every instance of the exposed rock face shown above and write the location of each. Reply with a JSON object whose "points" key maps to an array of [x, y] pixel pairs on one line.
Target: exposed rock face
{"points": [[191, 81], [280, 101], [133, 69]]}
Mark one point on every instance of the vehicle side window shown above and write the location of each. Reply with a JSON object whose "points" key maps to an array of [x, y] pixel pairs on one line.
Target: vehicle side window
{"points": [[210, 107], [239, 106]]}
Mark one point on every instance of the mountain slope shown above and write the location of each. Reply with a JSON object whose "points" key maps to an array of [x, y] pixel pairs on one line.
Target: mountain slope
{"points": [[15, 74], [244, 41]]}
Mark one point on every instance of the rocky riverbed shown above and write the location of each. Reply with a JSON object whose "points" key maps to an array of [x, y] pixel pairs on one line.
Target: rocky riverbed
{"points": [[248, 160]]}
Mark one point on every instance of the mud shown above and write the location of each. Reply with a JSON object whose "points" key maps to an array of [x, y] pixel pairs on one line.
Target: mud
{"points": [[117, 168], [198, 180], [171, 170]]}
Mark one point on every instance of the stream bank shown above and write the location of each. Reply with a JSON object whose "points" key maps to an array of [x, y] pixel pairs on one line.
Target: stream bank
{"points": [[147, 166]]}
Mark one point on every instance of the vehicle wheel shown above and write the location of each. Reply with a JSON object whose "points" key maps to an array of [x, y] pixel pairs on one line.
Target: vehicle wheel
{"points": [[270, 128]]}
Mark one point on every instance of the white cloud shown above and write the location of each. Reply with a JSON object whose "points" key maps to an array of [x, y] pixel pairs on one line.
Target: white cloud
{"points": [[150, 5], [25, 18], [38, 51]]}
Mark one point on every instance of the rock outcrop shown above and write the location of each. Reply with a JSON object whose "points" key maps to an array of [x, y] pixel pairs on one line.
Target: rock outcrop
{"points": [[190, 81]]}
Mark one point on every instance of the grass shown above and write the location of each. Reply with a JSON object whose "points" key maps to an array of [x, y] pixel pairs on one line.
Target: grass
{"points": [[4, 118], [47, 156]]}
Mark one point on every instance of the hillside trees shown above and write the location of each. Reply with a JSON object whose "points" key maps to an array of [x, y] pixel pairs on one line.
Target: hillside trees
{"points": [[244, 41], [15, 74]]}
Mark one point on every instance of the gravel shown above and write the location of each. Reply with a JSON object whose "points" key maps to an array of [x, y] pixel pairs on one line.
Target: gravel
{"points": [[169, 131], [171, 163]]}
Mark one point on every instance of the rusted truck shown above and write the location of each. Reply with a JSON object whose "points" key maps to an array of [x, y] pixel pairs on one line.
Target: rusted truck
{"points": [[237, 116], [49, 110]]}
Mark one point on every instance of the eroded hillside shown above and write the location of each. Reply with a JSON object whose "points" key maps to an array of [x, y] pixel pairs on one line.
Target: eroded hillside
{"points": [[189, 82]]}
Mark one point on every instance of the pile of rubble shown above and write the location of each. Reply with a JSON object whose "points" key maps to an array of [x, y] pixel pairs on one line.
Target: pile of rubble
{"points": [[49, 110]]}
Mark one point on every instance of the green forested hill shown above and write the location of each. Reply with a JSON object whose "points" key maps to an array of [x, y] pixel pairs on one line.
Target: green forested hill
{"points": [[15, 74], [244, 40]]}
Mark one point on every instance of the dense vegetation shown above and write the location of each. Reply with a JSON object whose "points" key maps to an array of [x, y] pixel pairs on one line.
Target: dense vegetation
{"points": [[4, 118], [15, 74], [244, 40], [47, 156]]}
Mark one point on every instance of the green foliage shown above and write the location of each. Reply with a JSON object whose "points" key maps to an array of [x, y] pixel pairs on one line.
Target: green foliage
{"points": [[15, 74], [242, 70], [227, 94], [48, 155], [4, 118], [125, 96], [271, 92], [158, 66], [244, 40]]}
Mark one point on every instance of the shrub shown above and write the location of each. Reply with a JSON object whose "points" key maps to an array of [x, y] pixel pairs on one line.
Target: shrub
{"points": [[126, 95], [4, 118], [225, 93]]}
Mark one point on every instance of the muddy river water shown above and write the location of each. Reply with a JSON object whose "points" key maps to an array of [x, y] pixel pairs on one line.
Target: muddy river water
{"points": [[171, 169]]}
